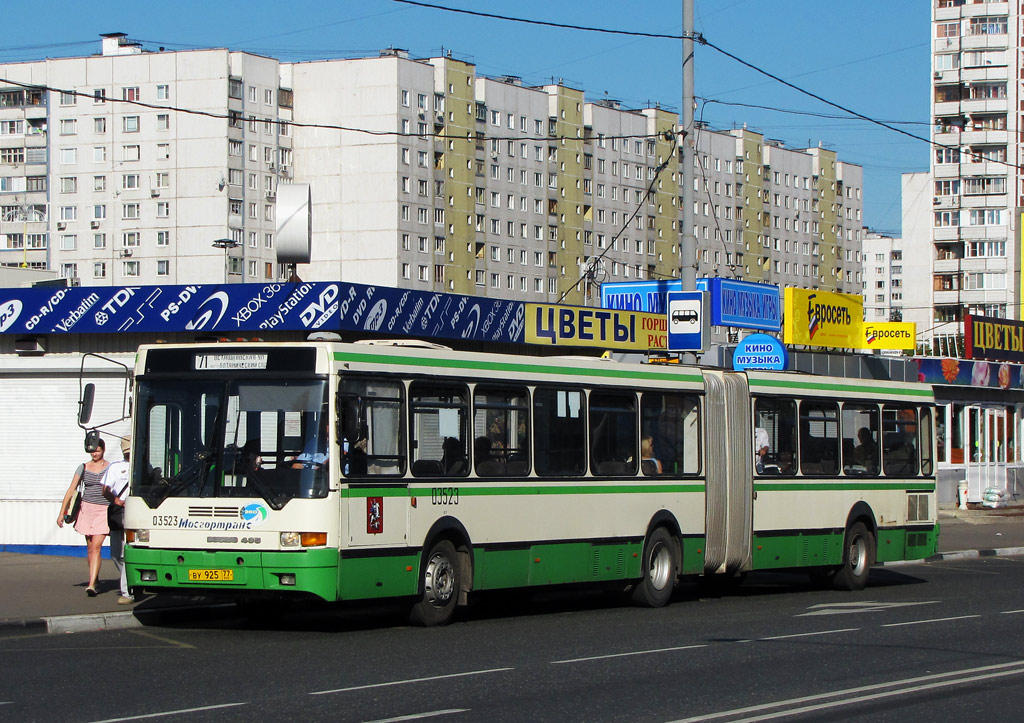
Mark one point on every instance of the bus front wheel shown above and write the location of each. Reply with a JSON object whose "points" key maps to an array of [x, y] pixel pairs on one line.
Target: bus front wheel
{"points": [[858, 557], [659, 568], [440, 581]]}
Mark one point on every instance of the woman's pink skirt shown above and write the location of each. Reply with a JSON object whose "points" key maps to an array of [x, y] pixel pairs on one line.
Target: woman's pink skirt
{"points": [[92, 520]]}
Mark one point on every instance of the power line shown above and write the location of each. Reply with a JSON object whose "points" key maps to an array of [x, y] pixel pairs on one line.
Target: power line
{"points": [[323, 126], [564, 26]]}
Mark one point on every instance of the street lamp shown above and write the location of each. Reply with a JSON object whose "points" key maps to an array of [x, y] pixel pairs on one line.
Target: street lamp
{"points": [[226, 243]]}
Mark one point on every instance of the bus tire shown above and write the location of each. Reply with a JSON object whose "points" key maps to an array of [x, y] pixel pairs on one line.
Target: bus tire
{"points": [[440, 582], [858, 557], [659, 567]]}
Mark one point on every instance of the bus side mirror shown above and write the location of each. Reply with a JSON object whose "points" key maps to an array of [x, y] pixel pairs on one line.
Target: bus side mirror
{"points": [[85, 405]]}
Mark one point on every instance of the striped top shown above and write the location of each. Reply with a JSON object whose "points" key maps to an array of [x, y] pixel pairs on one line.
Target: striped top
{"points": [[94, 487]]}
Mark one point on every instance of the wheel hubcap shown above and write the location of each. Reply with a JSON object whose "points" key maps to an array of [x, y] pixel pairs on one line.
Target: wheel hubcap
{"points": [[858, 556], [439, 581], [661, 567]]}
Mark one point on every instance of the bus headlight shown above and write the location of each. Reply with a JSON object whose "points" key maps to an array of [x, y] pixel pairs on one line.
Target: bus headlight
{"points": [[136, 535], [303, 539]]}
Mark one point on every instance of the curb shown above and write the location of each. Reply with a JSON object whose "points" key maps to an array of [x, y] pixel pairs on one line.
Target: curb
{"points": [[960, 555]]}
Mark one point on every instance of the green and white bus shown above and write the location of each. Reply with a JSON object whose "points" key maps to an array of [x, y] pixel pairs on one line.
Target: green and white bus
{"points": [[389, 470]]}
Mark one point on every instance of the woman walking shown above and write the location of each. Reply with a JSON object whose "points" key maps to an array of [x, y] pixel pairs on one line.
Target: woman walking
{"points": [[92, 517]]}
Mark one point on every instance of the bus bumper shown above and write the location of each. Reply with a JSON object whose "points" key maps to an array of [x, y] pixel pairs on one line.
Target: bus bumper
{"points": [[313, 572]]}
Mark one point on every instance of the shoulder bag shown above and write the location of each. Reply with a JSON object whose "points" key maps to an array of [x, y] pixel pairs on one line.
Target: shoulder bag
{"points": [[76, 504]]}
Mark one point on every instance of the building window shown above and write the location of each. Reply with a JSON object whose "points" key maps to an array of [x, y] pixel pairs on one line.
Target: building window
{"points": [[130, 153], [17, 155], [130, 210], [130, 124], [68, 242], [99, 270], [130, 93], [163, 267], [130, 239], [163, 92], [130, 181], [68, 127], [130, 268], [163, 209]]}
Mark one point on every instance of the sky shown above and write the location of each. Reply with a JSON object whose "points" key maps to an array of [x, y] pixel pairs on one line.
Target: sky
{"points": [[869, 56]]}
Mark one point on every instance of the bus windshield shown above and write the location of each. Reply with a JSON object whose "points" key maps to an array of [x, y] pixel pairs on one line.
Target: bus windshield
{"points": [[210, 439]]}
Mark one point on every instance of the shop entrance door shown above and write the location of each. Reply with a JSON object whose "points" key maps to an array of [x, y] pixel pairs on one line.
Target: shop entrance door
{"points": [[986, 461]]}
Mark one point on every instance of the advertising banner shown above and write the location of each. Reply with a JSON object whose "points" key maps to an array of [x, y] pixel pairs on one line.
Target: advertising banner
{"points": [[960, 372], [745, 305], [759, 351], [231, 308], [604, 328], [994, 339], [822, 318], [889, 335], [739, 304]]}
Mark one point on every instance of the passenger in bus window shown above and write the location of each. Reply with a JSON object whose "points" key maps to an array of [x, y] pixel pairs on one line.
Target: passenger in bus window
{"points": [[761, 445], [865, 454], [649, 464]]}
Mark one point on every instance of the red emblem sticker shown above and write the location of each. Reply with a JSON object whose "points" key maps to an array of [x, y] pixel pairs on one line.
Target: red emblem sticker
{"points": [[374, 515]]}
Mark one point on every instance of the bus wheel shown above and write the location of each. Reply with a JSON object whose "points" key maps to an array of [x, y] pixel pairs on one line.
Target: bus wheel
{"points": [[441, 584], [858, 557], [659, 569]]}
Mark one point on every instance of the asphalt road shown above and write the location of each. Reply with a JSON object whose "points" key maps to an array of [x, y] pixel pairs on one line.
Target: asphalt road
{"points": [[930, 642]]}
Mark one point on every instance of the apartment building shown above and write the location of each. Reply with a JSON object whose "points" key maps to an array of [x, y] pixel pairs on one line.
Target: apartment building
{"points": [[162, 167], [102, 179], [764, 212], [976, 190], [882, 277]]}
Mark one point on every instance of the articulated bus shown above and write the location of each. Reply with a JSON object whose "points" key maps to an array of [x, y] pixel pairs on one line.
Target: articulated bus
{"points": [[405, 470]]}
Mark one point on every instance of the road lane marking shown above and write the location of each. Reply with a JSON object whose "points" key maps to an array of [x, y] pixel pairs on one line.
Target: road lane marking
{"points": [[955, 678], [420, 716], [170, 712], [865, 606], [808, 635], [932, 620], [175, 643], [1011, 612], [624, 655], [410, 680]]}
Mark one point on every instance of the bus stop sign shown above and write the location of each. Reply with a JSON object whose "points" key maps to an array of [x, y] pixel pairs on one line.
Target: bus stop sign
{"points": [[687, 322]]}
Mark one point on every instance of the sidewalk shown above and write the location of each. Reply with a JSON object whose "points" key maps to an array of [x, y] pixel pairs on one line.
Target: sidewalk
{"points": [[46, 593]]}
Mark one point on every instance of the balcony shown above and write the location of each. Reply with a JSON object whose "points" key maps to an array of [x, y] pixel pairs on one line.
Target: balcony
{"points": [[945, 297], [980, 105], [969, 138], [946, 233], [946, 266]]}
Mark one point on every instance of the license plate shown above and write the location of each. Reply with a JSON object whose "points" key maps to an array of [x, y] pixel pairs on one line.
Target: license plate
{"points": [[211, 575]]}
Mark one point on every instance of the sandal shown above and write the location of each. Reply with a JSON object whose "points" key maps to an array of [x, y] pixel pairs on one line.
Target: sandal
{"points": [[90, 591]]}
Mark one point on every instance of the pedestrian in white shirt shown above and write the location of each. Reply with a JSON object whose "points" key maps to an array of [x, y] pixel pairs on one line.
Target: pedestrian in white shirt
{"points": [[115, 484]]}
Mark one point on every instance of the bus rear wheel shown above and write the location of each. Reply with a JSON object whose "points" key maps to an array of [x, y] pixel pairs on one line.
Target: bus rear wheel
{"points": [[858, 557], [659, 570], [440, 581]]}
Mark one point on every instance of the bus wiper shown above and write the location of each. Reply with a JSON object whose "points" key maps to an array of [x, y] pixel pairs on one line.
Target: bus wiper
{"points": [[254, 476], [186, 477]]}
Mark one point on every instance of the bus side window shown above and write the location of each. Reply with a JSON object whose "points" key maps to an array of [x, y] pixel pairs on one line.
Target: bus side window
{"points": [[501, 431], [670, 423], [371, 427], [819, 438], [777, 419], [613, 438], [439, 429], [559, 432]]}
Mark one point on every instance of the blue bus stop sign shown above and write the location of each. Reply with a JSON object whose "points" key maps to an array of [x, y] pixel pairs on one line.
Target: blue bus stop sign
{"points": [[686, 320]]}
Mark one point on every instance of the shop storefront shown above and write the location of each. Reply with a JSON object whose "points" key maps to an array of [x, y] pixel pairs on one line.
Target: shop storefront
{"points": [[978, 426]]}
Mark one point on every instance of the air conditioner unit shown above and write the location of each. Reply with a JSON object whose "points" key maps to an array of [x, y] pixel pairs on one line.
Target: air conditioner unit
{"points": [[270, 166], [936, 200], [125, 253], [440, 117], [271, 195], [421, 115], [286, 171], [938, 75], [61, 226], [154, 193], [94, 224]]}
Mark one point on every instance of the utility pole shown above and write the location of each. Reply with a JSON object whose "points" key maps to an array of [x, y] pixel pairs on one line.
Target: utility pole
{"points": [[688, 242]]}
